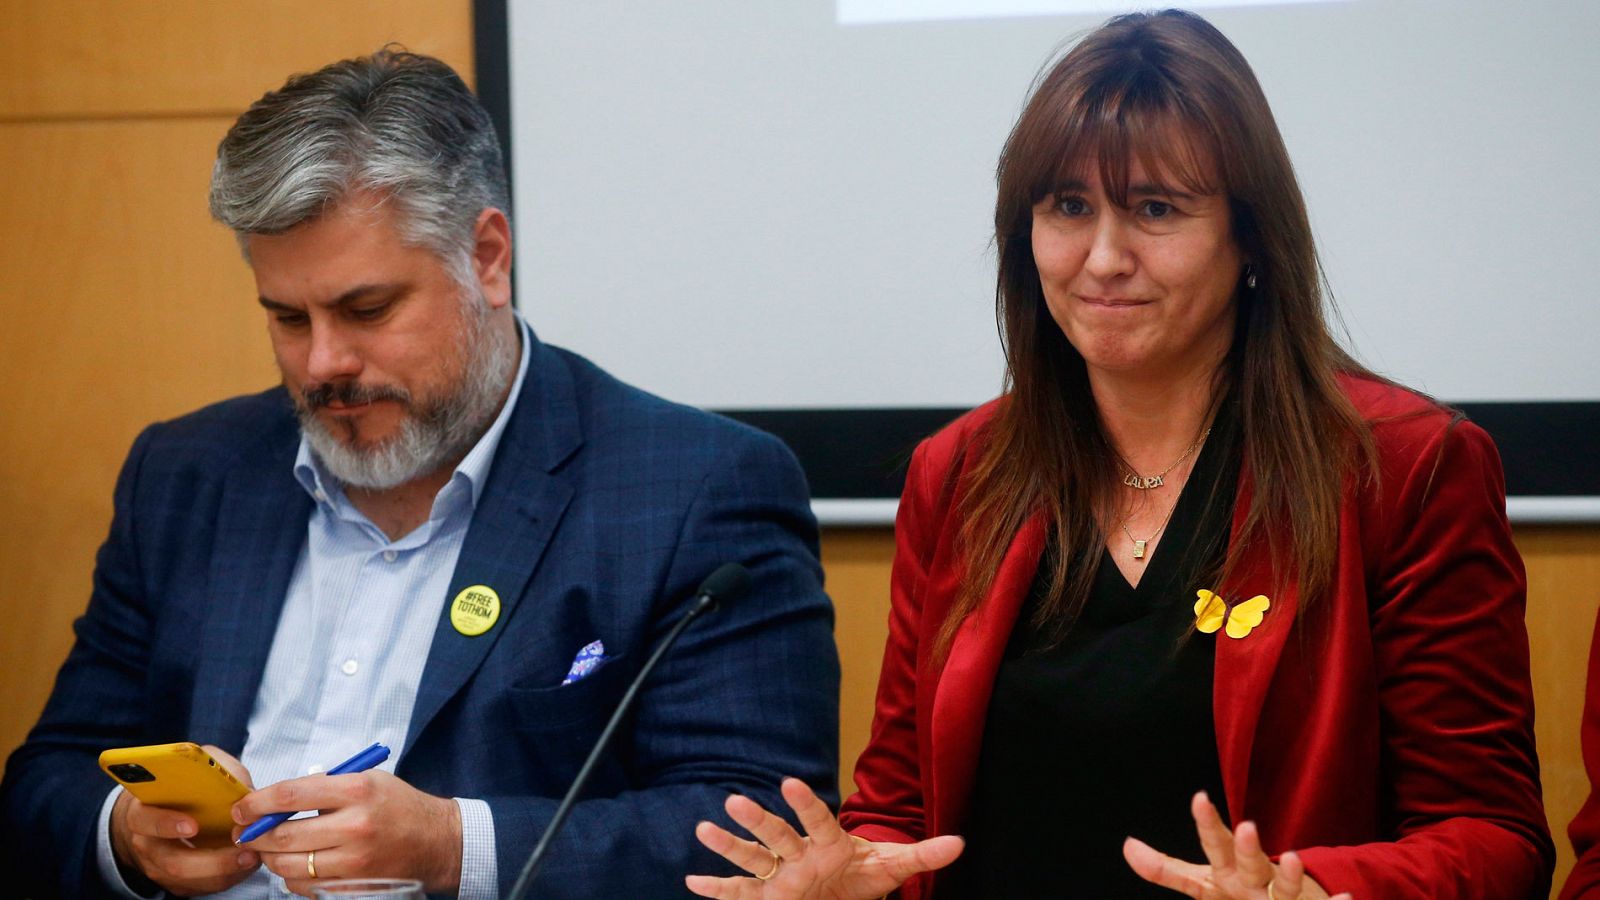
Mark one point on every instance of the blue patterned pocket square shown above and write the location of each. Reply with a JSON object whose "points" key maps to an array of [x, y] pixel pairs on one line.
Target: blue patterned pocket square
{"points": [[587, 660]]}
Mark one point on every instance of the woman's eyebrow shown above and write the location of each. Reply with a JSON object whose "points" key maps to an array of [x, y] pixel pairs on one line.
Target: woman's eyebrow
{"points": [[1157, 190]]}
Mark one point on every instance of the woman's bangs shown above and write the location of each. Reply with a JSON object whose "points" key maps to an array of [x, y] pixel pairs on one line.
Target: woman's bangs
{"points": [[1108, 136]]}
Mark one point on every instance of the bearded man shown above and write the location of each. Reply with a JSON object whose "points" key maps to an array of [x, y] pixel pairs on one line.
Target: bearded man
{"points": [[438, 534]]}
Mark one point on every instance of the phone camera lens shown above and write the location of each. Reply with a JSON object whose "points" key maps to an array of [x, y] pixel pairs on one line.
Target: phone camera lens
{"points": [[132, 773]]}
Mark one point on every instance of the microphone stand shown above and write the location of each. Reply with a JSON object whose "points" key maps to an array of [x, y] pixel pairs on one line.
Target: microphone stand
{"points": [[704, 603]]}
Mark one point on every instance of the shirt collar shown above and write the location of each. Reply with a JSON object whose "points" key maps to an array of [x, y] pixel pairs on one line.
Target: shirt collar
{"points": [[473, 468]]}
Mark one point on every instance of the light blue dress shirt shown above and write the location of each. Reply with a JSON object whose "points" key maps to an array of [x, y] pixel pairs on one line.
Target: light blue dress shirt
{"points": [[351, 644]]}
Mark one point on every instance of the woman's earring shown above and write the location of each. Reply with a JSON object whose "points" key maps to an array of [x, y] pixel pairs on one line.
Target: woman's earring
{"points": [[1250, 276]]}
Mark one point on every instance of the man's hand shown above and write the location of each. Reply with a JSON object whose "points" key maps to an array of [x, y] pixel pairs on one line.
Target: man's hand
{"points": [[372, 824], [148, 840]]}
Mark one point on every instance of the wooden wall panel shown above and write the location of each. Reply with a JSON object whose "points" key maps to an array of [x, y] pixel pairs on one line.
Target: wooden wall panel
{"points": [[1563, 595], [63, 59], [124, 303], [857, 565]]}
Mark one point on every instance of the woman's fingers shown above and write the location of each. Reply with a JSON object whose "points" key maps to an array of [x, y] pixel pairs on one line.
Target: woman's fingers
{"points": [[1215, 838], [747, 855], [1289, 880], [1254, 868], [722, 888], [827, 852], [1158, 868], [814, 815], [1239, 867], [767, 828], [902, 861]]}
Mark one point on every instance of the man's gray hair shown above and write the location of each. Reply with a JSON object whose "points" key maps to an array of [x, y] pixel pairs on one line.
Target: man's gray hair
{"points": [[400, 124]]}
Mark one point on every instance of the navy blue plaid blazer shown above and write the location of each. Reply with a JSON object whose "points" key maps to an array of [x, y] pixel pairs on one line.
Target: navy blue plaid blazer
{"points": [[604, 509]]}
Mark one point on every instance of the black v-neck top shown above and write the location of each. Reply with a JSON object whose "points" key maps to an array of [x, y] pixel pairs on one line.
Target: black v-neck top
{"points": [[1109, 732]]}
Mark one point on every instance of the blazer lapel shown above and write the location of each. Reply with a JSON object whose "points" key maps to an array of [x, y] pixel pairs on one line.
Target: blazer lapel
{"points": [[517, 513], [1245, 666], [261, 526], [961, 700]]}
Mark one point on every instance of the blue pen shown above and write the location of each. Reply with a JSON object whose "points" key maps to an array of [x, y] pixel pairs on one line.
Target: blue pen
{"points": [[361, 762]]}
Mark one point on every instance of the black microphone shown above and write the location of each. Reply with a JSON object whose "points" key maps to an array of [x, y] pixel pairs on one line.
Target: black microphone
{"points": [[729, 582]]}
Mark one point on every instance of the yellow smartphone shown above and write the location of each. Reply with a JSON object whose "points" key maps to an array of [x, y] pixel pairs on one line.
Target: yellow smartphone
{"points": [[182, 777]]}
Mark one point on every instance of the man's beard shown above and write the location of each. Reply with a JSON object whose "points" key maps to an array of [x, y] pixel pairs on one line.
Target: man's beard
{"points": [[433, 433]]}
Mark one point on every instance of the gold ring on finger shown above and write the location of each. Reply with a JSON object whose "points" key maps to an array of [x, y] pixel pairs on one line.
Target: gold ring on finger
{"points": [[777, 863], [311, 863], [1271, 894]]}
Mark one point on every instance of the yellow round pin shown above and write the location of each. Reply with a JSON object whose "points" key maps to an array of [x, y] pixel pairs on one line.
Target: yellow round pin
{"points": [[475, 610]]}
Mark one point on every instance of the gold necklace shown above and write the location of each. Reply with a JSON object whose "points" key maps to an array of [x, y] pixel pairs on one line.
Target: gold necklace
{"points": [[1138, 545], [1147, 482]]}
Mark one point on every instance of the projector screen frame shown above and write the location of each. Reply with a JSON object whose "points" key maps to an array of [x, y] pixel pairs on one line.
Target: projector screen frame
{"points": [[855, 458]]}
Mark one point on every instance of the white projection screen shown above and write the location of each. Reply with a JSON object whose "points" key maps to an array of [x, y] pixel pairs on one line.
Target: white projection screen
{"points": [[782, 209]]}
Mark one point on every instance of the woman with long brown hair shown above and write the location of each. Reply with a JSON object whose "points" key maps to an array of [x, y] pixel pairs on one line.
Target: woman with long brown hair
{"points": [[1194, 552]]}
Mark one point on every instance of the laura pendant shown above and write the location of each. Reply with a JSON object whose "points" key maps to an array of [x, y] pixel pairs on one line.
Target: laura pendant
{"points": [[1138, 549]]}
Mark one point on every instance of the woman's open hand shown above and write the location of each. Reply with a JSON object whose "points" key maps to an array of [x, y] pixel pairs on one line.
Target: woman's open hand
{"points": [[827, 863], [1238, 868]]}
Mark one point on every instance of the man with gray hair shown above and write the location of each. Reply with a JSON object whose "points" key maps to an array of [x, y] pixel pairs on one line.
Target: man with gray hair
{"points": [[439, 534]]}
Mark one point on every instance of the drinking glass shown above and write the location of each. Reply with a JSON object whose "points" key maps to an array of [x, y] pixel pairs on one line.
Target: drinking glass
{"points": [[370, 889]]}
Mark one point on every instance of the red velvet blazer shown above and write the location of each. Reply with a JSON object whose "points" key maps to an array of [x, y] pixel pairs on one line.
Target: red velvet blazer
{"points": [[1584, 881], [1389, 740]]}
